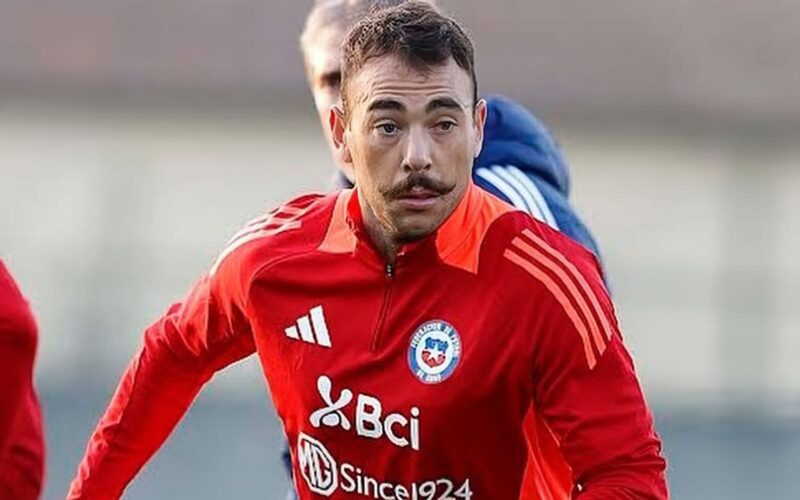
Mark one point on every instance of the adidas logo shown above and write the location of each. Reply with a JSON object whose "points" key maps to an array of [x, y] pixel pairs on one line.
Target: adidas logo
{"points": [[311, 328]]}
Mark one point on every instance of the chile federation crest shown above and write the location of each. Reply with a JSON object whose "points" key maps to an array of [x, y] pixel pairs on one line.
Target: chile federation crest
{"points": [[434, 352]]}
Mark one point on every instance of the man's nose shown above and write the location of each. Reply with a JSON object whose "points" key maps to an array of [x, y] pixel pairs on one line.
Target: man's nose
{"points": [[418, 150]]}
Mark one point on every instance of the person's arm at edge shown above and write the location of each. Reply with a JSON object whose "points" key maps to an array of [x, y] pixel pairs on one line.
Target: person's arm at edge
{"points": [[19, 408]]}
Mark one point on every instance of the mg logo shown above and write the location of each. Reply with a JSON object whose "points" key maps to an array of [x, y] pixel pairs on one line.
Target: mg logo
{"points": [[317, 465]]}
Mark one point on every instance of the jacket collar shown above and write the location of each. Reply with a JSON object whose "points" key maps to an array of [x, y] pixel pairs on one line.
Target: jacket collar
{"points": [[447, 236], [456, 241]]}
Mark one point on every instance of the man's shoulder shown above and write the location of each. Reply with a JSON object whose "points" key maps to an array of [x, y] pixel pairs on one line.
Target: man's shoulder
{"points": [[294, 227], [535, 251]]}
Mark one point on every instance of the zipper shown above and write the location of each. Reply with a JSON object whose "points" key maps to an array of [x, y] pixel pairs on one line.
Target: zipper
{"points": [[388, 275]]}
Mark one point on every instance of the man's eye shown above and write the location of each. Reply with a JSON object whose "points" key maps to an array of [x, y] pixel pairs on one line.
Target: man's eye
{"points": [[388, 128], [446, 126], [332, 80]]}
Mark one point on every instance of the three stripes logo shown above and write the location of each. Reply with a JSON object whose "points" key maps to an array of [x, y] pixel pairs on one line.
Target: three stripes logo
{"points": [[311, 328], [569, 287]]}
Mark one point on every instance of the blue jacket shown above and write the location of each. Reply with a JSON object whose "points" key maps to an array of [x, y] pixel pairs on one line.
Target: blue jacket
{"points": [[521, 163]]}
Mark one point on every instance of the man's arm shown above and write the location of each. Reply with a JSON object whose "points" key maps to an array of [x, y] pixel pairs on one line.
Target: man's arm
{"points": [[586, 388], [181, 351]]}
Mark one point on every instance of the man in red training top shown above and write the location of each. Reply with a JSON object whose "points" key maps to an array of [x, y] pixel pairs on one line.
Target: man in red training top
{"points": [[393, 374], [21, 443]]}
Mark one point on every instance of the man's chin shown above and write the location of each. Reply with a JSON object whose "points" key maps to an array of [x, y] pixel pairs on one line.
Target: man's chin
{"points": [[417, 226]]}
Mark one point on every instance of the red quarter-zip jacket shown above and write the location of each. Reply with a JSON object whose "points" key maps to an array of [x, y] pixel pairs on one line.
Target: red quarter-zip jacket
{"points": [[403, 381]]}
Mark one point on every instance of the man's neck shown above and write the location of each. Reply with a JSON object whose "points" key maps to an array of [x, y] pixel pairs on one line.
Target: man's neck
{"points": [[380, 236]]}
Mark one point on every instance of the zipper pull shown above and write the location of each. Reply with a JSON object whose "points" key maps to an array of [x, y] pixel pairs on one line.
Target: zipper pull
{"points": [[389, 270]]}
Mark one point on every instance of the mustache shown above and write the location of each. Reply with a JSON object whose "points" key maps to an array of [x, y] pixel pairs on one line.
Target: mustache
{"points": [[418, 180]]}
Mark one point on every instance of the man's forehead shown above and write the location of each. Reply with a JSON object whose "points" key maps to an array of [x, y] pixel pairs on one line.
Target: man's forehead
{"points": [[390, 77]]}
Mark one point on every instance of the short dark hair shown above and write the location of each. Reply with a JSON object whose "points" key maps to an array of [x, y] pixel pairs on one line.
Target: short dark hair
{"points": [[417, 32]]}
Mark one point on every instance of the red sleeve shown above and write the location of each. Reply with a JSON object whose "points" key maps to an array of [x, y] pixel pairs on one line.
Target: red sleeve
{"points": [[181, 352], [17, 350], [587, 390], [22, 472], [21, 443]]}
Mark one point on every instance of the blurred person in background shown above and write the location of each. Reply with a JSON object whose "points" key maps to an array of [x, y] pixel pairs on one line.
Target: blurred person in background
{"points": [[21, 440], [520, 163], [416, 210]]}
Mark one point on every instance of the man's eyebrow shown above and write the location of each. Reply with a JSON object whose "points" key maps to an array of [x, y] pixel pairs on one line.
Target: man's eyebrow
{"points": [[386, 104], [443, 102]]}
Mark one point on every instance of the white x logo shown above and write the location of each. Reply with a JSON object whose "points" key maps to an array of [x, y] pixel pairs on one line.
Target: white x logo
{"points": [[331, 415]]}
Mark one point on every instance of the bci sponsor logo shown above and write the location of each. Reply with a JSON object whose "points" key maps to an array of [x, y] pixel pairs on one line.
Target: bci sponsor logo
{"points": [[370, 422]]}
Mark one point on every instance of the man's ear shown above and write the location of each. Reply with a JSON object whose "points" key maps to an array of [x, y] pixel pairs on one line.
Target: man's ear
{"points": [[480, 121], [338, 123]]}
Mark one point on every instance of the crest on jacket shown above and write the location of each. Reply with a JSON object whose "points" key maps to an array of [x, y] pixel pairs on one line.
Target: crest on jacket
{"points": [[434, 352]]}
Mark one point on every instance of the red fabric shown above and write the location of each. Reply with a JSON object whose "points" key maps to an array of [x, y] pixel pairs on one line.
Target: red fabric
{"points": [[21, 441], [535, 328], [547, 475]]}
